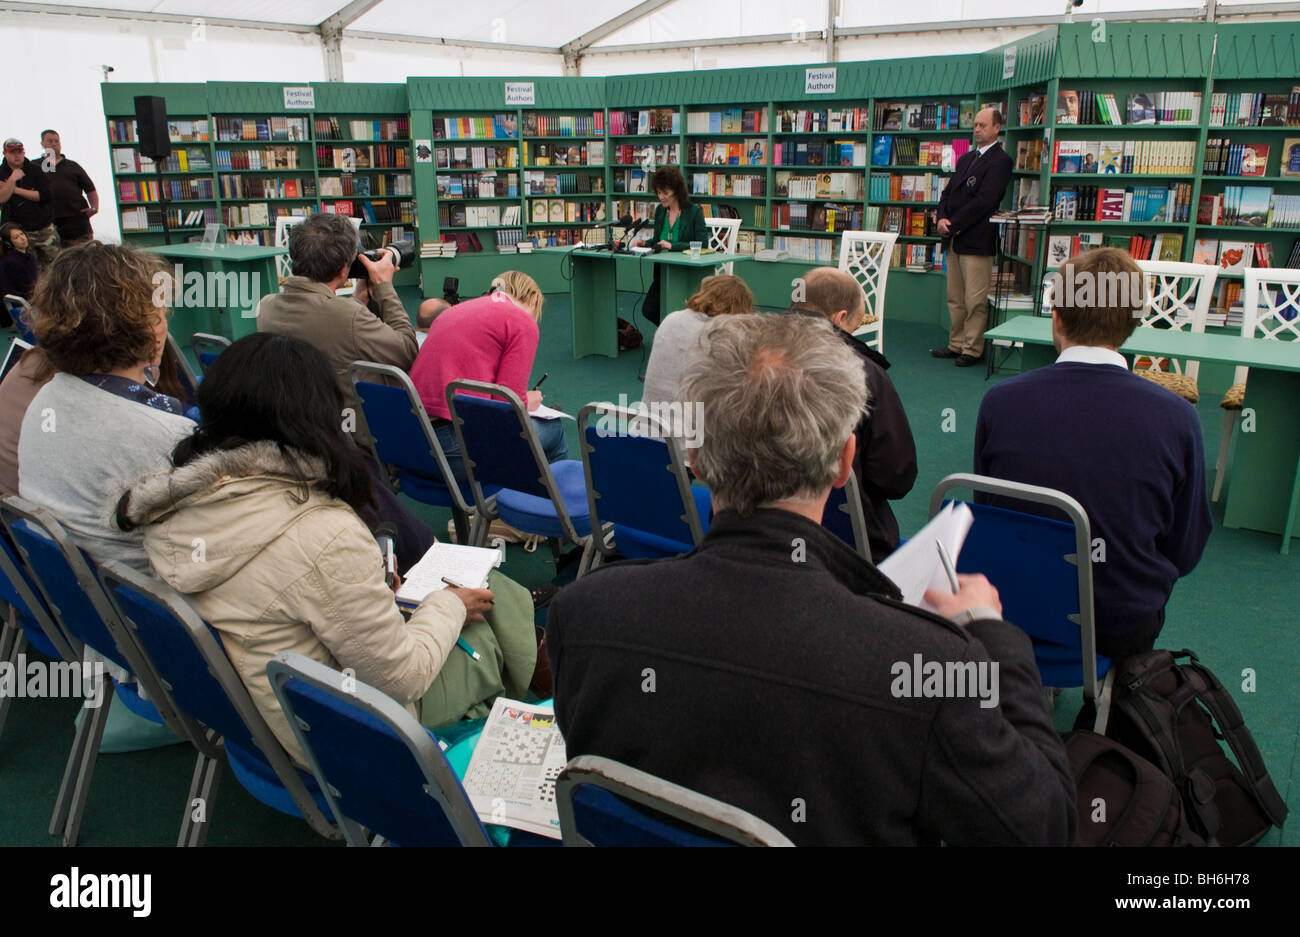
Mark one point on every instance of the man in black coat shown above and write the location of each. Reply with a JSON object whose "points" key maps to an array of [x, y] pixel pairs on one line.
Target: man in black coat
{"points": [[885, 462], [973, 194], [774, 669]]}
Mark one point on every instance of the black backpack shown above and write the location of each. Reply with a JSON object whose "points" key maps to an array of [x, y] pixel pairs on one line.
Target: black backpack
{"points": [[1162, 711], [1123, 799]]}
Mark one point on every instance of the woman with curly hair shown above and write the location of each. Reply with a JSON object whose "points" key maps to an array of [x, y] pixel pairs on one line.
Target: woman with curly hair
{"points": [[98, 424], [678, 221]]}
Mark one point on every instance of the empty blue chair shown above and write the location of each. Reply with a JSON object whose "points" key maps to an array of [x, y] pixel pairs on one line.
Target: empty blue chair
{"points": [[639, 494], [404, 440], [500, 447], [844, 518], [1042, 569], [67, 582], [603, 802], [379, 768], [20, 312], [207, 347], [201, 683]]}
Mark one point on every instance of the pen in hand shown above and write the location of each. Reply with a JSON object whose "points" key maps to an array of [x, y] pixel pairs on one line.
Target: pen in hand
{"points": [[461, 642], [538, 385], [948, 567]]}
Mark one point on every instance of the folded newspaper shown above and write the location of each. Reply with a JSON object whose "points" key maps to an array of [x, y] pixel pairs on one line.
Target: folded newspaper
{"points": [[511, 776]]}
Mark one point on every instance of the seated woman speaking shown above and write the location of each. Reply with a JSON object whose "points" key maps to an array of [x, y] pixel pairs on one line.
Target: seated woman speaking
{"points": [[678, 221], [257, 523]]}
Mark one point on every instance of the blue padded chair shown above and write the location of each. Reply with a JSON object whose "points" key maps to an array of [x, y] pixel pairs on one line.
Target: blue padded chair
{"points": [[603, 802], [20, 312], [379, 768], [1035, 563], [500, 447], [207, 347], [66, 579], [202, 683], [28, 620], [844, 518], [404, 440], [639, 494]]}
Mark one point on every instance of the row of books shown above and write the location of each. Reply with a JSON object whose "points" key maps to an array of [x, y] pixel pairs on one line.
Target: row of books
{"points": [[1133, 204], [265, 187], [645, 121], [363, 156], [174, 189], [1140, 157], [540, 182], [644, 154], [376, 211], [728, 183], [1031, 110], [908, 151], [909, 222], [178, 131], [537, 124], [1061, 247], [276, 157], [563, 211], [194, 159], [1225, 158], [752, 152], [819, 153], [935, 115], [1181, 108], [253, 215], [1250, 206], [731, 120], [643, 210], [918, 258], [591, 153], [836, 185], [476, 157], [331, 128], [1232, 256], [810, 250], [829, 217], [478, 185], [140, 218], [1029, 154], [825, 120], [131, 161], [352, 185], [1255, 109], [509, 239], [895, 187], [496, 127], [262, 128]]}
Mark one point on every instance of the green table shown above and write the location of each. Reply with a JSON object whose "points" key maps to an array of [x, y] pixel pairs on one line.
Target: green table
{"points": [[223, 298], [1265, 482], [594, 295]]}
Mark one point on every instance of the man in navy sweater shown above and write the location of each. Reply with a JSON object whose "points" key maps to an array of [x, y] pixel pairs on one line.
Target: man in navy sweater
{"points": [[1128, 450]]}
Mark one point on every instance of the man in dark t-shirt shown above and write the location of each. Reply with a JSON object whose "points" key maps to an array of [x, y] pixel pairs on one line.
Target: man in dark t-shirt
{"points": [[26, 200], [70, 188]]}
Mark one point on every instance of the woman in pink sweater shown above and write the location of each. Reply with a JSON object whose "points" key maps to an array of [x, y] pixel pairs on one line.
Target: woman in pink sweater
{"points": [[492, 338]]}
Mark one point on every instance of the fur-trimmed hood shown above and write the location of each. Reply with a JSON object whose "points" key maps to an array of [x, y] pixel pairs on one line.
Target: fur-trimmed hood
{"points": [[205, 520]]}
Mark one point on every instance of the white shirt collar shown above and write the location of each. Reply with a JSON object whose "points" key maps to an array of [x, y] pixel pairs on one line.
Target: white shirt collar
{"points": [[984, 149], [1091, 354]]}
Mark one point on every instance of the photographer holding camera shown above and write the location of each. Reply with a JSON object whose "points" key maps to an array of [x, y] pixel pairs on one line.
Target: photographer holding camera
{"points": [[325, 252]]}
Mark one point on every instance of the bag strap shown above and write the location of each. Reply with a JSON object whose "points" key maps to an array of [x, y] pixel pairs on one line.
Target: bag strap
{"points": [[1227, 716]]}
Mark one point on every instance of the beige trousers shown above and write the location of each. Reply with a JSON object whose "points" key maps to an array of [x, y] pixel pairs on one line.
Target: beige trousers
{"points": [[969, 276]]}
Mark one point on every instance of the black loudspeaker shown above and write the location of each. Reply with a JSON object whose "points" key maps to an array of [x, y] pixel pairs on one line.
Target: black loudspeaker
{"points": [[151, 127]]}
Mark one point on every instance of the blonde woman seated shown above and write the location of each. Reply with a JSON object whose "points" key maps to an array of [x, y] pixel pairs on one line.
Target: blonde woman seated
{"points": [[257, 524], [677, 336]]}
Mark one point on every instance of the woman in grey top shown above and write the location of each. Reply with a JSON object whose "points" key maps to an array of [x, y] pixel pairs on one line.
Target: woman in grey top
{"points": [[677, 336]]}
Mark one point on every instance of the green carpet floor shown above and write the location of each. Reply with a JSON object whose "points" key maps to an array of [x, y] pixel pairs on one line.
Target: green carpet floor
{"points": [[1232, 610]]}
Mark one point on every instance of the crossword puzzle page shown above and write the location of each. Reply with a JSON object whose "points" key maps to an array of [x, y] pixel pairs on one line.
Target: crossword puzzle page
{"points": [[511, 775]]}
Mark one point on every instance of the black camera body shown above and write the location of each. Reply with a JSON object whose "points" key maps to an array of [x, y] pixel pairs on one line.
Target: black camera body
{"points": [[402, 252]]}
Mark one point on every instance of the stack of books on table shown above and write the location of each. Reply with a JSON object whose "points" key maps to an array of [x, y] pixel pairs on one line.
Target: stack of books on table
{"points": [[1030, 214], [438, 249]]}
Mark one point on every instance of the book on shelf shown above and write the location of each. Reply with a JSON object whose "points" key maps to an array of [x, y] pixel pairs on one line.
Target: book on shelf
{"points": [[1067, 107], [1289, 164], [540, 124], [494, 127], [1255, 109], [1235, 256]]}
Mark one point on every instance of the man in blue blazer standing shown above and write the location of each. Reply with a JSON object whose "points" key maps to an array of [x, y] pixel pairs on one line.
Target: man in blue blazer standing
{"points": [[969, 239]]}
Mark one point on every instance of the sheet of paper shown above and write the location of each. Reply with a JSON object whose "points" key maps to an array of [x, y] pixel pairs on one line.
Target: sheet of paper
{"points": [[468, 566], [915, 566], [420, 336], [543, 412], [511, 775]]}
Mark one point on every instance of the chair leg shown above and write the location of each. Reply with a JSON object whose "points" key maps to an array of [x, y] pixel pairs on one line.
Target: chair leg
{"points": [[18, 645], [203, 790], [462, 525], [96, 719], [10, 633], [1230, 418]]}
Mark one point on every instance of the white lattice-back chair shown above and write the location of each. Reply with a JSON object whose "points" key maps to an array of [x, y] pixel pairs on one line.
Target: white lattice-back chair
{"points": [[1270, 312], [1179, 298], [864, 255], [284, 266], [724, 233]]}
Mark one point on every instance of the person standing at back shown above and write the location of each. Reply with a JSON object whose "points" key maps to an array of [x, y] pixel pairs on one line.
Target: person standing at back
{"points": [[74, 198], [970, 240], [28, 202]]}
